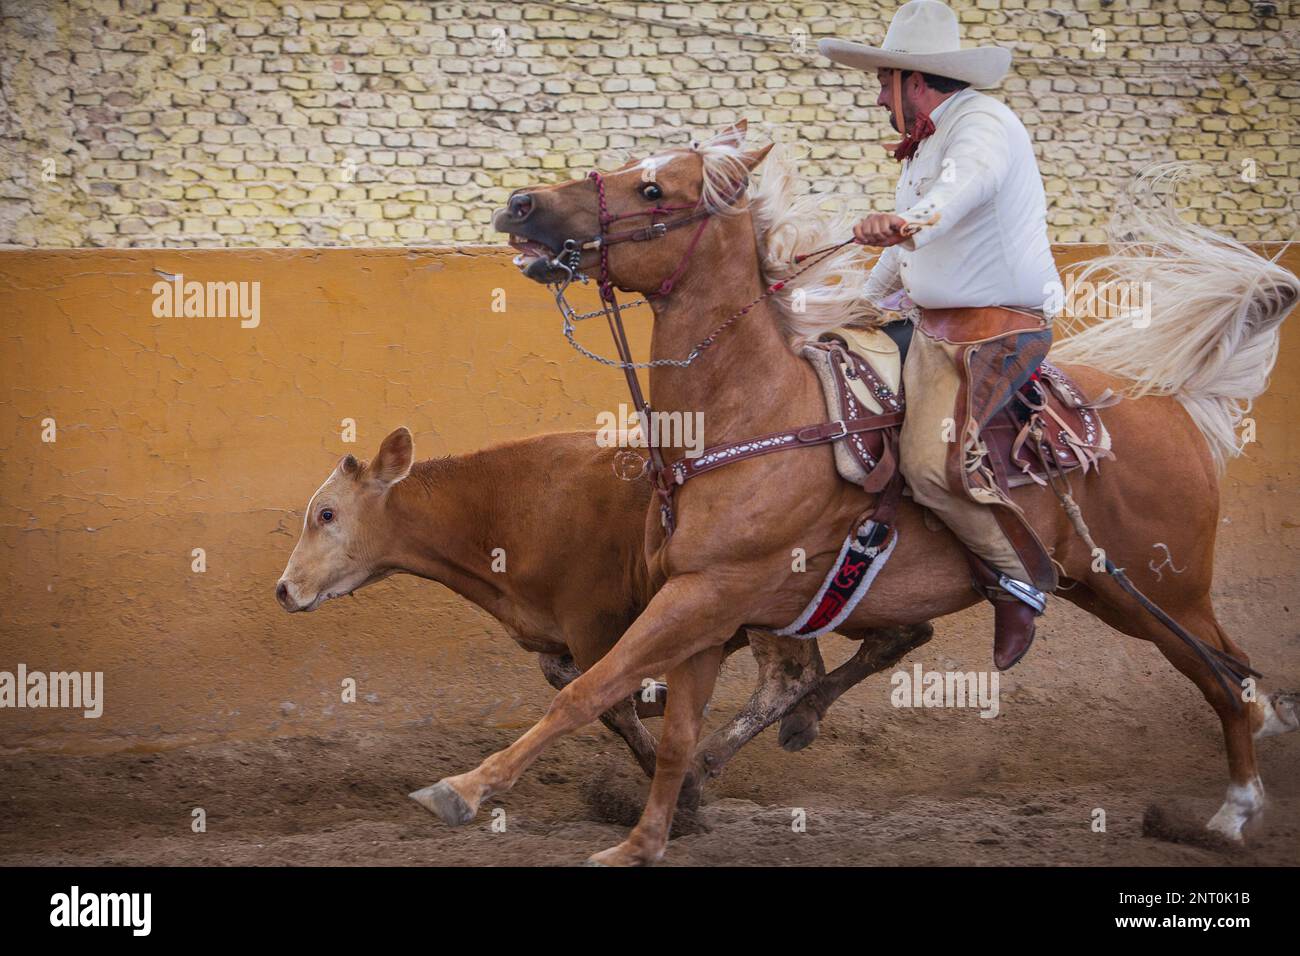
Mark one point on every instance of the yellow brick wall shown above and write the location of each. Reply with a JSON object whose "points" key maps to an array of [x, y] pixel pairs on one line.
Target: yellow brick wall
{"points": [[395, 122]]}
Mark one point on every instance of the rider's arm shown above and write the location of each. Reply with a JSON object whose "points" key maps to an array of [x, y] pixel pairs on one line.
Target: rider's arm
{"points": [[884, 279], [974, 164]]}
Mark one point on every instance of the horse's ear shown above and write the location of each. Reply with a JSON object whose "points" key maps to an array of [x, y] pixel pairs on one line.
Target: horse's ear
{"points": [[733, 134], [751, 160], [393, 462]]}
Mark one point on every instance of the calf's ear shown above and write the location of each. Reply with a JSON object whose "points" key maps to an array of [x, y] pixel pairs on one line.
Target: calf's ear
{"points": [[393, 462]]}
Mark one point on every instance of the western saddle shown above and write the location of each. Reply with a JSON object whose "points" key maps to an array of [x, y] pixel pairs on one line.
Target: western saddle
{"points": [[861, 373]]}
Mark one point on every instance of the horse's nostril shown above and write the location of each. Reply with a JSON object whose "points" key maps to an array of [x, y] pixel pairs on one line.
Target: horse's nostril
{"points": [[520, 205]]}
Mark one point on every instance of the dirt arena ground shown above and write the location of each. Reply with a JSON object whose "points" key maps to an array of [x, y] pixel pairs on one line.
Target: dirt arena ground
{"points": [[1089, 720]]}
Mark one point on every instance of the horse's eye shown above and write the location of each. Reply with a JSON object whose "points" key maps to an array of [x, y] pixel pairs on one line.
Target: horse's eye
{"points": [[652, 191], [326, 515]]}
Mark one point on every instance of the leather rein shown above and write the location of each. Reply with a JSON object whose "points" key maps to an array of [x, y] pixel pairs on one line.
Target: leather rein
{"points": [[666, 479]]}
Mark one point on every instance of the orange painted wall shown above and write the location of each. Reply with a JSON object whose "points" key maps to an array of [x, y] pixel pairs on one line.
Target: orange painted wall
{"points": [[175, 434]]}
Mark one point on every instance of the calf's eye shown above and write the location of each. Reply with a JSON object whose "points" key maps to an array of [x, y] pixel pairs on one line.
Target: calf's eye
{"points": [[326, 515]]}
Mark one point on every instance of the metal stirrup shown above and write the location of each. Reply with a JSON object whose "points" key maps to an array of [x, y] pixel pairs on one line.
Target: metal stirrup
{"points": [[1024, 592]]}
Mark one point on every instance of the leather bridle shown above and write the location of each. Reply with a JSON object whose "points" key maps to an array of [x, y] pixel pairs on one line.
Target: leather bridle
{"points": [[568, 261]]}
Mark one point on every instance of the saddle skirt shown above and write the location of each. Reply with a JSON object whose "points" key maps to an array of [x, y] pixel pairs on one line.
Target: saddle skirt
{"points": [[861, 371], [861, 374]]}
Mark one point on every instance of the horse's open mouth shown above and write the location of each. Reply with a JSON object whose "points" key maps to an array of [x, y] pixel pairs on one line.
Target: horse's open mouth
{"points": [[530, 248], [535, 260]]}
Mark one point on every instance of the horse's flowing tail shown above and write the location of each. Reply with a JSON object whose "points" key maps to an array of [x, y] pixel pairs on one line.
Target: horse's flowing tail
{"points": [[1201, 317]]}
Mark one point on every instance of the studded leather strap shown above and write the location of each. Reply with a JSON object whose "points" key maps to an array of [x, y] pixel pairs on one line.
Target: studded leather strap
{"points": [[682, 470]]}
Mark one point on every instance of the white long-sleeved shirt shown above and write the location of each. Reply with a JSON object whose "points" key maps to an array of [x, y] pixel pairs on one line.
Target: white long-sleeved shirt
{"points": [[990, 247]]}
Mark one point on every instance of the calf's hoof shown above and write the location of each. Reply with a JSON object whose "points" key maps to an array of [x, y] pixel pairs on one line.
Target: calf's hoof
{"points": [[799, 728], [645, 709], [445, 803], [688, 798]]}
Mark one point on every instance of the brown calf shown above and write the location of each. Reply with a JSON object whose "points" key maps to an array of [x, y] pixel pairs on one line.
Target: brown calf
{"points": [[499, 527]]}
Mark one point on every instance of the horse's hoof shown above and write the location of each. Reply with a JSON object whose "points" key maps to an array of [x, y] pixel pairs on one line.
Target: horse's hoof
{"points": [[798, 730], [1243, 805], [1227, 834], [621, 855], [1178, 824], [445, 803]]}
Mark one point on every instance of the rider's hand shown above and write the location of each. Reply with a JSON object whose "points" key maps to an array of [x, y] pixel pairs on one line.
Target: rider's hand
{"points": [[880, 229]]}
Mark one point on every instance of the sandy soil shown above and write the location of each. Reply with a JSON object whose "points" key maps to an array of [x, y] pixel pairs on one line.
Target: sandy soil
{"points": [[1089, 720]]}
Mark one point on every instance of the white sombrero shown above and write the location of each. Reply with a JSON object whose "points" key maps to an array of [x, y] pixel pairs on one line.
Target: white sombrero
{"points": [[923, 36]]}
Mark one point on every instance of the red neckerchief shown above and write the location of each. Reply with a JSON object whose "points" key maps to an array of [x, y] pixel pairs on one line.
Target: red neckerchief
{"points": [[906, 147]]}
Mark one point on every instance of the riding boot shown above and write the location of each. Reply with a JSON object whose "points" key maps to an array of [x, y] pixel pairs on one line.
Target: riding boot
{"points": [[1013, 612]]}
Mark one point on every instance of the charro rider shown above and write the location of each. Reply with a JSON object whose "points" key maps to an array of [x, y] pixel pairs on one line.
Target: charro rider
{"points": [[980, 276]]}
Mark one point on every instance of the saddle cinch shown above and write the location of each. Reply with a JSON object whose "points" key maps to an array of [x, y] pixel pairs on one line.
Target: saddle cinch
{"points": [[861, 373]]}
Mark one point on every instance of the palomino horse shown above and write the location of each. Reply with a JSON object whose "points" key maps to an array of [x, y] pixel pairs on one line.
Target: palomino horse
{"points": [[574, 579], [1205, 352]]}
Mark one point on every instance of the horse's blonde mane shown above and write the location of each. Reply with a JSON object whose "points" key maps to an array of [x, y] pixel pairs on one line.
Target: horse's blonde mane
{"points": [[788, 221]]}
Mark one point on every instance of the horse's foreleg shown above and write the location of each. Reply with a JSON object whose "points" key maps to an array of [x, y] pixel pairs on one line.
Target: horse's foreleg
{"points": [[788, 669], [879, 649], [685, 617], [623, 718], [692, 683]]}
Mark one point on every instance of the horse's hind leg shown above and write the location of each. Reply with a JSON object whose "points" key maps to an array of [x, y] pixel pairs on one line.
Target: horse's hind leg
{"points": [[624, 718], [1245, 798], [1240, 718], [880, 648]]}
